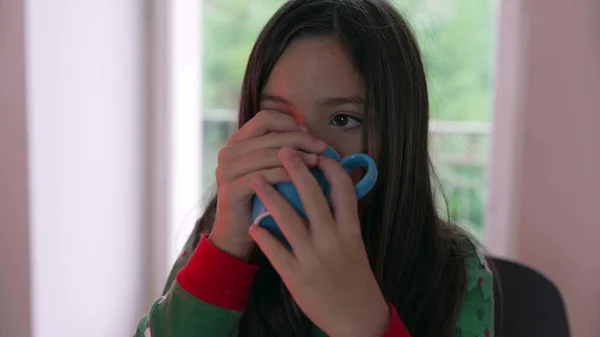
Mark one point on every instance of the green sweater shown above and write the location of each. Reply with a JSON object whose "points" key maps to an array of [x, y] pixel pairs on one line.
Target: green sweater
{"points": [[206, 292]]}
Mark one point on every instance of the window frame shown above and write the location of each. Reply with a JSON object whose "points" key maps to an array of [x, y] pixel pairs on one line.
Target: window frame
{"points": [[175, 128]]}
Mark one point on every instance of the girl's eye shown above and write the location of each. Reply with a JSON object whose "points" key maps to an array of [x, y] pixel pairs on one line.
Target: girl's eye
{"points": [[345, 121]]}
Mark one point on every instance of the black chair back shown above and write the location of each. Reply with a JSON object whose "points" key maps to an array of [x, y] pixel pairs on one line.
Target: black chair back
{"points": [[528, 304]]}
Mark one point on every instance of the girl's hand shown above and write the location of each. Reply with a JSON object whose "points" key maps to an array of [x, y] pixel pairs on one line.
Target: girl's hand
{"points": [[328, 273], [253, 152]]}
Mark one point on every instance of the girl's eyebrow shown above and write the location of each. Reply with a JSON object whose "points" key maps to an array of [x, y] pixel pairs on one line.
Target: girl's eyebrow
{"points": [[278, 99]]}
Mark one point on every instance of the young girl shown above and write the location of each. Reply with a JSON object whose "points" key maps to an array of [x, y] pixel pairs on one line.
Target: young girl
{"points": [[346, 73]]}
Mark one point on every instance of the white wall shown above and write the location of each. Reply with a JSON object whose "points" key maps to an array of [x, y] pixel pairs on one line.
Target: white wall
{"points": [[87, 152], [14, 203], [545, 195]]}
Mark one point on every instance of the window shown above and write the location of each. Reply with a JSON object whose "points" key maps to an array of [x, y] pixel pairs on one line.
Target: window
{"points": [[229, 29], [456, 38]]}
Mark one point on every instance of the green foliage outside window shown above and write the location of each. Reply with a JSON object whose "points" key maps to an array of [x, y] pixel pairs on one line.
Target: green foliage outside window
{"points": [[456, 38]]}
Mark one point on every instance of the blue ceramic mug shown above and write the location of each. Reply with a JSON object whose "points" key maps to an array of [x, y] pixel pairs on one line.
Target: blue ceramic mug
{"points": [[261, 216]]}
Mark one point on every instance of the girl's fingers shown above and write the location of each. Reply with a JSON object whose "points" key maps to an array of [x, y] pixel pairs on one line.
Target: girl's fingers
{"points": [[311, 194], [272, 176], [261, 159], [289, 221], [241, 186], [263, 122], [298, 140], [282, 259], [343, 197]]}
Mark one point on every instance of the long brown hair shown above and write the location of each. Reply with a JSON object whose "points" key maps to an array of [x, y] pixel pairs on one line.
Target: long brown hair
{"points": [[418, 259]]}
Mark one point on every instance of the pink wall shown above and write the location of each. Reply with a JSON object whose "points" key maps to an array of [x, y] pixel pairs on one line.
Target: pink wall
{"points": [[14, 201], [559, 223], [545, 208]]}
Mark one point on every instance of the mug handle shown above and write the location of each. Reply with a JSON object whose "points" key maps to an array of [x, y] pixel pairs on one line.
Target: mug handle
{"points": [[368, 181]]}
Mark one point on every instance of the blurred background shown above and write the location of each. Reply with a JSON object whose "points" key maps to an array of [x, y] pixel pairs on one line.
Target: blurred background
{"points": [[457, 38], [112, 114]]}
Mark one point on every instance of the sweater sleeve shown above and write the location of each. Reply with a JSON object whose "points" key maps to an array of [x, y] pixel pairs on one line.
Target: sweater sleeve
{"points": [[205, 295], [396, 327], [477, 315]]}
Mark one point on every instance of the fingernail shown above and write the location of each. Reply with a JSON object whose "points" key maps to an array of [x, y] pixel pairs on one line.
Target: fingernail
{"points": [[258, 181], [320, 143], [302, 127], [253, 227], [311, 160], [287, 152]]}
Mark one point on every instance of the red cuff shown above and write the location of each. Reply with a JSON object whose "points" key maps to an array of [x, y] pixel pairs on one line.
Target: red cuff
{"points": [[395, 328], [217, 277]]}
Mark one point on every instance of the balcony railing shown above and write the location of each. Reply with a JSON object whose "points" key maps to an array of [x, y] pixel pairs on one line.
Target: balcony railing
{"points": [[459, 151]]}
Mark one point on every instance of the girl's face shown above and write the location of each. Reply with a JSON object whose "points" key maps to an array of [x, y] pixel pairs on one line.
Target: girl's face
{"points": [[315, 82]]}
